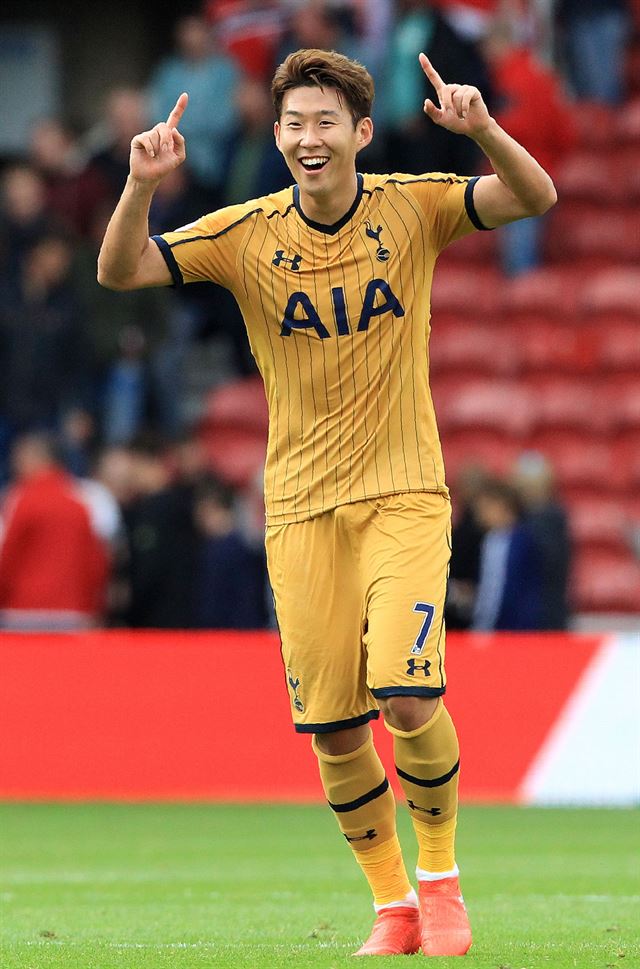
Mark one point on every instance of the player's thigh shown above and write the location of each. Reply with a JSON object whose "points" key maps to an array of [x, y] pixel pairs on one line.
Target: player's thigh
{"points": [[319, 608], [407, 549]]}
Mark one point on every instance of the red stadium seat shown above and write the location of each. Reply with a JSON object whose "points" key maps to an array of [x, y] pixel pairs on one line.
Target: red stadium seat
{"points": [[628, 121], [551, 291], [618, 345], [610, 177], [476, 347], [476, 248], [549, 347], [238, 403], [490, 450], [606, 582], [500, 405], [613, 290], [587, 175], [235, 454], [233, 430], [596, 123], [562, 402], [619, 403], [598, 522], [581, 231], [626, 456], [580, 462], [474, 294]]}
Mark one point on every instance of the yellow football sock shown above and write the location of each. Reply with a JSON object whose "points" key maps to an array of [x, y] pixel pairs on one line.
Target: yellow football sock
{"points": [[428, 762], [358, 792]]}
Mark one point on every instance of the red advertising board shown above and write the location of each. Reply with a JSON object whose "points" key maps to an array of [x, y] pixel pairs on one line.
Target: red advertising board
{"points": [[181, 716]]}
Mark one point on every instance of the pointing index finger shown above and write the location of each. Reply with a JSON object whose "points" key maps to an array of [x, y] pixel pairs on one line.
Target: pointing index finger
{"points": [[174, 118], [431, 72]]}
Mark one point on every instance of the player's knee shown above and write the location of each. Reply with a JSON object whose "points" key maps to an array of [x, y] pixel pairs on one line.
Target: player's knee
{"points": [[340, 742], [408, 712]]}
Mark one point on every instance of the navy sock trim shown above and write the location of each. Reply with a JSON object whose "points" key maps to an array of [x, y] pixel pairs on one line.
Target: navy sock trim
{"points": [[361, 801], [435, 782]]}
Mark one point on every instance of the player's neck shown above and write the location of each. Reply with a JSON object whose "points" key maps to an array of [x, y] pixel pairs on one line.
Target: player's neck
{"points": [[330, 208]]}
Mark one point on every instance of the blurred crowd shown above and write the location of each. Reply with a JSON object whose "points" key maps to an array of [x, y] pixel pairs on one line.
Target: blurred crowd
{"points": [[93, 390], [152, 539]]}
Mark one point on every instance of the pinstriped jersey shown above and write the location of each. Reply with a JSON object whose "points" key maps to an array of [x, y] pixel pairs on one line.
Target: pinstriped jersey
{"points": [[338, 321]]}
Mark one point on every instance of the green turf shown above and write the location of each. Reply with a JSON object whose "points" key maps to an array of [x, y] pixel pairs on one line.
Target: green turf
{"points": [[181, 886]]}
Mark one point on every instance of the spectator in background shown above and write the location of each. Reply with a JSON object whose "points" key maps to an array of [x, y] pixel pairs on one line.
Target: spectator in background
{"points": [[548, 524], [255, 166], [414, 145], [126, 334], [173, 201], [210, 78], [113, 470], [509, 595], [471, 18], [76, 440], [466, 543], [322, 25], [230, 580], [54, 566], [126, 111], [74, 191], [374, 19], [249, 31], [24, 220], [189, 462], [594, 34], [161, 537], [43, 348], [532, 106]]}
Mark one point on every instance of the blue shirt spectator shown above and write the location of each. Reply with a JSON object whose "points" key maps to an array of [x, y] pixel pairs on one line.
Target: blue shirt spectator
{"points": [[230, 577], [509, 595], [210, 79]]}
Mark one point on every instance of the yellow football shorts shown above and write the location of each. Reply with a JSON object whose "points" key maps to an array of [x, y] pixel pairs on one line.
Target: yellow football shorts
{"points": [[359, 594]]}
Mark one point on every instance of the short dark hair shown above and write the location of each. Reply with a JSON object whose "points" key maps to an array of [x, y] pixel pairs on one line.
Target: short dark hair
{"points": [[321, 68], [499, 490], [211, 488]]}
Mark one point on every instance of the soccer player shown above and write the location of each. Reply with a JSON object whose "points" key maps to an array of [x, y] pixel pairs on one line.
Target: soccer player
{"points": [[333, 278]]}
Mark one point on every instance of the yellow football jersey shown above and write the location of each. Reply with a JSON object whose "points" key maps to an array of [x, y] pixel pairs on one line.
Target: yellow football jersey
{"points": [[338, 322]]}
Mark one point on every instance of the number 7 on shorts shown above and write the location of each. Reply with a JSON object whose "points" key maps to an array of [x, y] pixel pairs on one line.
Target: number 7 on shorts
{"points": [[429, 611]]}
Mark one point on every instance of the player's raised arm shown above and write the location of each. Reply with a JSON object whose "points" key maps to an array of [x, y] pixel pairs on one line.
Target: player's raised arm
{"points": [[128, 259], [521, 187]]}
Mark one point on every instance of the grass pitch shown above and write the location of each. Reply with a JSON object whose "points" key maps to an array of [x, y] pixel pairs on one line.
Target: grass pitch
{"points": [[187, 886]]}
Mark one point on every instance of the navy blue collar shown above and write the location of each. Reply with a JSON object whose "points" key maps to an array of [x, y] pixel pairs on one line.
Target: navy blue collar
{"points": [[319, 226]]}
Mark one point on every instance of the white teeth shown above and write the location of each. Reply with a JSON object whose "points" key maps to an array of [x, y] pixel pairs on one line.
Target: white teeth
{"points": [[310, 162]]}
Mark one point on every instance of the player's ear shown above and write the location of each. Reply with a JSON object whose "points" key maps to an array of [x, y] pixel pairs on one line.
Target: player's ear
{"points": [[365, 132], [276, 134]]}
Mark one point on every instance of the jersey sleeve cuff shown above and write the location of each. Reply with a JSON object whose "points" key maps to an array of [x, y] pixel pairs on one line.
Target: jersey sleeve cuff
{"points": [[470, 206], [170, 260]]}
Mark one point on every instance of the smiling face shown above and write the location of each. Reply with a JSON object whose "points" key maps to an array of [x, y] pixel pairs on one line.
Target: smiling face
{"points": [[319, 141]]}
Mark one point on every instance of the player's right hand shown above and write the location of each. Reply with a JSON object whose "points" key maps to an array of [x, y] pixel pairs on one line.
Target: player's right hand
{"points": [[156, 152]]}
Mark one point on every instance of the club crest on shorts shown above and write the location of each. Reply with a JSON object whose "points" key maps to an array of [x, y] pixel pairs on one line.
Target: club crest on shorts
{"points": [[294, 683]]}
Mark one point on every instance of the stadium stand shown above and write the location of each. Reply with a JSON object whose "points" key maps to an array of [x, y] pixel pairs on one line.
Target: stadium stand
{"points": [[233, 429], [549, 360]]}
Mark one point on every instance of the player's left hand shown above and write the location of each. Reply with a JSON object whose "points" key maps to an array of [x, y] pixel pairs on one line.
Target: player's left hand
{"points": [[461, 110]]}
